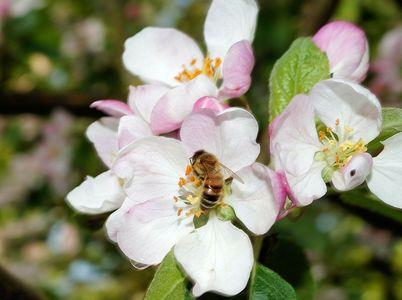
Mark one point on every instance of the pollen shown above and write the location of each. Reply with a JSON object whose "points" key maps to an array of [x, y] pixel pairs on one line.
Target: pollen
{"points": [[179, 211], [189, 169], [209, 67], [182, 182]]}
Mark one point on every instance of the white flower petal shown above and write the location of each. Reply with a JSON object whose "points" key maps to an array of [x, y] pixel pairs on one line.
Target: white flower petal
{"points": [[151, 229], [142, 99], [293, 137], [253, 200], [152, 167], [385, 180], [353, 105], [116, 219], [177, 104], [97, 195], [307, 187], [103, 134], [158, 54], [217, 256], [230, 135], [229, 22], [354, 173], [132, 128]]}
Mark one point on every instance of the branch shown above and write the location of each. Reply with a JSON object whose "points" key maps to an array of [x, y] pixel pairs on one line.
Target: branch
{"points": [[12, 288]]}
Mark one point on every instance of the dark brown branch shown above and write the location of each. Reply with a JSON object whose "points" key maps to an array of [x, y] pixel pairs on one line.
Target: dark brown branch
{"points": [[12, 288], [43, 104]]}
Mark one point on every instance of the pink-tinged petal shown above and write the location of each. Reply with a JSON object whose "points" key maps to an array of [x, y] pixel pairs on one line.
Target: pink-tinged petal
{"points": [[230, 135], [280, 189], [132, 128], [237, 67], [350, 105], [293, 137], [103, 134], [158, 54], [307, 187], [148, 241], [142, 99], [152, 167], [116, 219], [253, 201], [112, 108], [229, 22], [354, 173], [211, 103], [97, 195], [178, 103], [218, 257], [385, 180], [347, 49], [294, 143]]}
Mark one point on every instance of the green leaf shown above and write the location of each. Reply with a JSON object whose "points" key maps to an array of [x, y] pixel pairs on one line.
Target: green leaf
{"points": [[169, 282], [391, 124], [364, 199], [297, 71], [267, 285], [289, 260]]}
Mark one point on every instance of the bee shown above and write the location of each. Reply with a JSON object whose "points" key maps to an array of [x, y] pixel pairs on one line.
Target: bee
{"points": [[207, 168]]}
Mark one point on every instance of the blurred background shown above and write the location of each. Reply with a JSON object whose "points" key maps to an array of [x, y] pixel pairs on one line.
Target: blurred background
{"points": [[56, 57]]}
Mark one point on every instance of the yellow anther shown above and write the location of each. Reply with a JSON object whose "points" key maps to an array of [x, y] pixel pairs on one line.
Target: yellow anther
{"points": [[182, 182], [192, 178], [321, 135], [189, 169], [329, 129], [197, 183], [337, 122], [179, 211], [209, 68], [175, 199]]}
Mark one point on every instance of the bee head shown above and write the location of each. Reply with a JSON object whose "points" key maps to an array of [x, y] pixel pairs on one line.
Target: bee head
{"points": [[196, 155]]}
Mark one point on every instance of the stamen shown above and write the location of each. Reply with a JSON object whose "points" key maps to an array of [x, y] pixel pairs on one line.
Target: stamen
{"points": [[189, 169], [179, 211], [182, 182], [209, 67]]}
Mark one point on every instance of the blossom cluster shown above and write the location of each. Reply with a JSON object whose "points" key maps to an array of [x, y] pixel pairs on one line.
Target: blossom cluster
{"points": [[150, 145]]}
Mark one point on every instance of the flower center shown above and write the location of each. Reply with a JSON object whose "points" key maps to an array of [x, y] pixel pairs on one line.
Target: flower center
{"points": [[209, 67], [338, 146], [190, 195]]}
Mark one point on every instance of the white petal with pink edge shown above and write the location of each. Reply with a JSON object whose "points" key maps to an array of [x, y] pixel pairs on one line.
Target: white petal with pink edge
{"points": [[97, 195], [211, 103], [132, 128], [217, 256], [142, 99], [294, 139], [385, 180], [230, 135], [253, 201], [151, 167], [307, 187], [157, 55], [350, 105], [236, 70], [178, 103], [151, 229], [227, 23], [354, 173], [116, 219], [347, 49], [114, 108], [103, 134]]}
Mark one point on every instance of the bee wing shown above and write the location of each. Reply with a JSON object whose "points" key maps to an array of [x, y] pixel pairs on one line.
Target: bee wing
{"points": [[229, 173]]}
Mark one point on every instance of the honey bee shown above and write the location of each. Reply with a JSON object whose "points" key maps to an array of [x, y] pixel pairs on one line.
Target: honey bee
{"points": [[207, 168]]}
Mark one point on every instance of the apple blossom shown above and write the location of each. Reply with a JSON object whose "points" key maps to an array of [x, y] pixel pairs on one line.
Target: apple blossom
{"points": [[338, 153], [347, 50], [163, 201], [169, 57]]}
